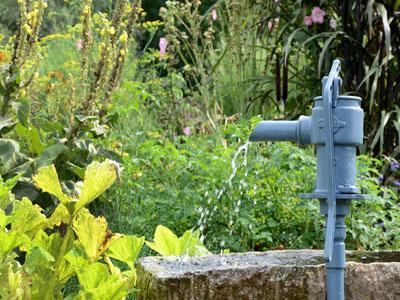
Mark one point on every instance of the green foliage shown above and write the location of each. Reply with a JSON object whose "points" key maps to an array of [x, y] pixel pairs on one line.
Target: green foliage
{"points": [[167, 243], [71, 242]]}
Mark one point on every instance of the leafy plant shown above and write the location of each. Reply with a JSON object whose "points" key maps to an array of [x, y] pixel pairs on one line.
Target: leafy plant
{"points": [[167, 243], [71, 242]]}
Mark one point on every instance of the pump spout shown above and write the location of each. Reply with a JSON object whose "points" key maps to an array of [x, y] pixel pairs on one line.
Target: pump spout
{"points": [[295, 131]]}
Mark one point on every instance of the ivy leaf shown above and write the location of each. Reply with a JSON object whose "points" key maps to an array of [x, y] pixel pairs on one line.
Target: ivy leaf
{"points": [[47, 180], [165, 243], [126, 249], [98, 178], [27, 218], [98, 283], [93, 234]]}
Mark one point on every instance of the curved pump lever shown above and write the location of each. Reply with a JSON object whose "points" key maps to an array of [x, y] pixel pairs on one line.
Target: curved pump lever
{"points": [[330, 94]]}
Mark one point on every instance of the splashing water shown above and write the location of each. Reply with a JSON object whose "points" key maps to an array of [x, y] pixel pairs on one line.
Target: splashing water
{"points": [[235, 165]]}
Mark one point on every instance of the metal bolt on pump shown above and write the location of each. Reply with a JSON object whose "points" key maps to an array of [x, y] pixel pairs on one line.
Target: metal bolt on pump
{"points": [[335, 127]]}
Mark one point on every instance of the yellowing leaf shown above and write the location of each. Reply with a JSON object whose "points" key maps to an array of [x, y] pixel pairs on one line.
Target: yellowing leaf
{"points": [[93, 234], [47, 180], [126, 249], [60, 215], [27, 218], [98, 178], [165, 243]]}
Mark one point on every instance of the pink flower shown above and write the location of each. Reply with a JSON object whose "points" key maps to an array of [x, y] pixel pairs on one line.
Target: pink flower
{"points": [[186, 131], [214, 15], [317, 15], [332, 23], [308, 20], [163, 46], [79, 45]]}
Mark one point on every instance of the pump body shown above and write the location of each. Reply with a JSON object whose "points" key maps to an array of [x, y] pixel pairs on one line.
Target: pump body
{"points": [[335, 127]]}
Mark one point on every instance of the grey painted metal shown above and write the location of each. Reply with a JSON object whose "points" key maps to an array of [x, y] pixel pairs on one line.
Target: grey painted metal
{"points": [[335, 127]]}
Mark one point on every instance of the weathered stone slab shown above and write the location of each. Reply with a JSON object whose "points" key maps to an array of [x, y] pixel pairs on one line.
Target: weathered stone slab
{"points": [[290, 274]]}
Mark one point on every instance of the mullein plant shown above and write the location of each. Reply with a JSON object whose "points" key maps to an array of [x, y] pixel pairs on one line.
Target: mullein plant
{"points": [[103, 76], [20, 73]]}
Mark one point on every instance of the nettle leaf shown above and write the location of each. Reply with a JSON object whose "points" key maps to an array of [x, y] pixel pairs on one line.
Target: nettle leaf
{"points": [[98, 283], [47, 180], [165, 243], [27, 218], [98, 178], [126, 249], [93, 234]]}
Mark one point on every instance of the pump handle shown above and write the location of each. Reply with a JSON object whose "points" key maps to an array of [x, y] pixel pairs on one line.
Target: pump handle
{"points": [[330, 94]]}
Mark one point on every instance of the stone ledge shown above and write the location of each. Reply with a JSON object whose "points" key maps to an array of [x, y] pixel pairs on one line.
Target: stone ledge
{"points": [[289, 274]]}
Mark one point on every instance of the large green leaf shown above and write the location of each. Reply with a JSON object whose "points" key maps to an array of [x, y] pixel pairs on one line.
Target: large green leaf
{"points": [[98, 178], [126, 249], [166, 242], [47, 180], [38, 261], [10, 155], [49, 155], [93, 234], [11, 240], [98, 283], [27, 218]]}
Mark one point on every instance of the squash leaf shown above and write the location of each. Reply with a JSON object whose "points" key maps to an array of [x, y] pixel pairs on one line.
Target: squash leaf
{"points": [[93, 234], [126, 249], [47, 180], [98, 283], [98, 178]]}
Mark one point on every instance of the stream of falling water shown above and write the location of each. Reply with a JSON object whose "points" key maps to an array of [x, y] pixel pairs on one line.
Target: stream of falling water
{"points": [[235, 165]]}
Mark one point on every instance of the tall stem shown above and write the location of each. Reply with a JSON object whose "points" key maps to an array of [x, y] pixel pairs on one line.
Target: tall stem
{"points": [[53, 281]]}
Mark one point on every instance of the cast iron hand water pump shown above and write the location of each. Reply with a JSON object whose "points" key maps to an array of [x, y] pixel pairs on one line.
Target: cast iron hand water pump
{"points": [[335, 127]]}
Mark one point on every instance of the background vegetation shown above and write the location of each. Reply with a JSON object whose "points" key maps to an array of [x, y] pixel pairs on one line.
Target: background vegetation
{"points": [[169, 91]]}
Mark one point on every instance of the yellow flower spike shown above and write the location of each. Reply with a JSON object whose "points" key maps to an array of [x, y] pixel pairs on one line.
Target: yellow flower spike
{"points": [[122, 52], [111, 30], [124, 38], [86, 10], [27, 28]]}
